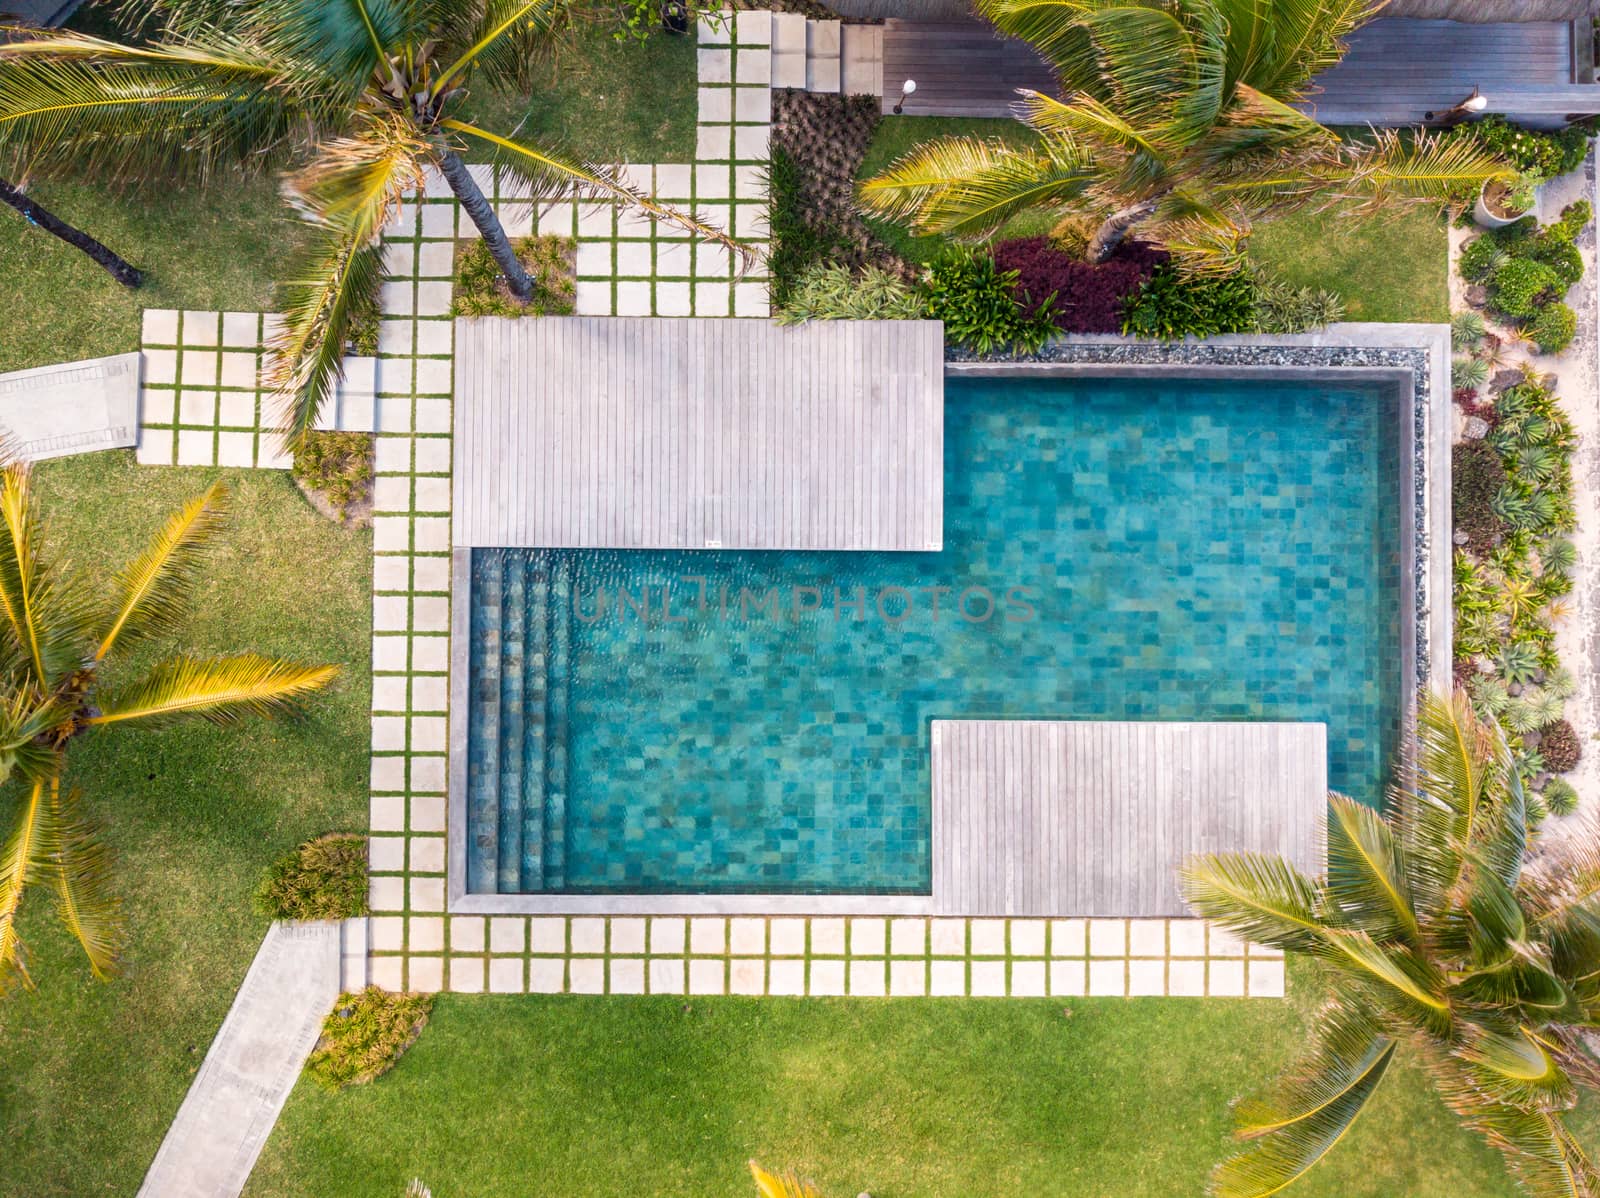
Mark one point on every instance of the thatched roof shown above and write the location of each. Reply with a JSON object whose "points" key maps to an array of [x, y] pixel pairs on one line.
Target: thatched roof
{"points": [[1486, 11]]}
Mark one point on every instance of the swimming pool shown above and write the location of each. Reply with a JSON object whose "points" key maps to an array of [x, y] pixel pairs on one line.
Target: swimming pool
{"points": [[757, 722]]}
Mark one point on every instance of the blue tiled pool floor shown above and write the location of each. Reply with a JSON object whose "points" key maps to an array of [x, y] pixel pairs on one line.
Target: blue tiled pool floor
{"points": [[1181, 550]]}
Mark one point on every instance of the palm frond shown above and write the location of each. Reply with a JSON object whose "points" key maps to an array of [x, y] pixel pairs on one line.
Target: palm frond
{"points": [[70, 101], [41, 618], [1263, 899], [1307, 38], [781, 1185], [1539, 1151], [80, 874], [497, 39], [967, 187], [27, 744], [548, 171], [1310, 1110], [153, 589], [1514, 1068], [220, 690], [21, 857], [1391, 176], [1367, 878]]}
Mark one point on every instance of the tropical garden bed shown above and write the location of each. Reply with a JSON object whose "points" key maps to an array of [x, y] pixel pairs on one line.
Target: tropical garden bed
{"points": [[194, 815]]}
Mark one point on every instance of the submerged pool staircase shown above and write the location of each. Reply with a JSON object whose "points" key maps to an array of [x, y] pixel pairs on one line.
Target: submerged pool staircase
{"points": [[521, 649]]}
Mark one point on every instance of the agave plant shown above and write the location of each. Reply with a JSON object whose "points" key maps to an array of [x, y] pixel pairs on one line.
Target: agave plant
{"points": [[1467, 330], [56, 637], [1518, 662], [1180, 124], [1431, 935], [358, 96], [1468, 372]]}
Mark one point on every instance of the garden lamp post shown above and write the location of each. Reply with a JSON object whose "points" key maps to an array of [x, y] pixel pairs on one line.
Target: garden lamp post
{"points": [[1473, 104], [906, 88]]}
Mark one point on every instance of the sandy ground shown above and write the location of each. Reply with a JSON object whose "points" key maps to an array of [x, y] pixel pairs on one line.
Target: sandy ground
{"points": [[1578, 373]]}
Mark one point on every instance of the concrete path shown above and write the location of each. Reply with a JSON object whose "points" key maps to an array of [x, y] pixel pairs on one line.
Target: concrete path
{"points": [[253, 1064]]}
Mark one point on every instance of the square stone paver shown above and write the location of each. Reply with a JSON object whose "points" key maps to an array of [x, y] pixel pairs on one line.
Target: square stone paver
{"points": [[627, 975], [427, 854], [867, 978], [988, 979], [1187, 938], [1108, 938], [908, 937], [1266, 978], [466, 974], [1108, 978], [547, 934], [1027, 937], [547, 975], [386, 854], [788, 938], [1028, 979], [1147, 938], [466, 934], [387, 973], [666, 975], [507, 935], [159, 326], [627, 936], [715, 105], [387, 932], [236, 449], [786, 978], [988, 937], [867, 937], [667, 934], [747, 975], [948, 937], [947, 979], [196, 448], [1067, 979], [589, 935], [908, 979], [1186, 978], [1225, 979], [708, 936], [425, 974], [714, 66], [506, 975], [708, 975], [586, 975], [827, 937], [161, 365], [1147, 978], [747, 936], [826, 978]]}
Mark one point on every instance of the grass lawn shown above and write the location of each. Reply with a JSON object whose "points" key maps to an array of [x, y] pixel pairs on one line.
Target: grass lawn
{"points": [[605, 1098], [1393, 268], [603, 100], [213, 247], [90, 1073], [898, 135]]}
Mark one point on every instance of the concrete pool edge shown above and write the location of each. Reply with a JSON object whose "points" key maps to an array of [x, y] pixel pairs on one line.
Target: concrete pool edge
{"points": [[1413, 354]]}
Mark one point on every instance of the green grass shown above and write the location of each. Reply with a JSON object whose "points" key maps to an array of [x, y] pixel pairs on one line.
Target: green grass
{"points": [[1391, 268], [90, 1073], [606, 1098], [602, 100], [898, 135], [211, 247]]}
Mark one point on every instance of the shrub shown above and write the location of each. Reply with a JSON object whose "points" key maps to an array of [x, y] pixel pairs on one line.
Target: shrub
{"points": [[1560, 796], [481, 289], [1171, 305], [1533, 151], [1089, 297], [832, 291], [1557, 252], [365, 1035], [338, 467], [978, 304], [324, 878], [1520, 286], [1476, 476], [1467, 330], [1284, 308], [1554, 328], [1480, 257], [1575, 216], [1560, 747], [1468, 374]]}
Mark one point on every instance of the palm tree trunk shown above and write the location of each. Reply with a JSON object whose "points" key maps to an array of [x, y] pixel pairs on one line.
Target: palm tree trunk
{"points": [[1115, 228], [123, 272], [482, 214]]}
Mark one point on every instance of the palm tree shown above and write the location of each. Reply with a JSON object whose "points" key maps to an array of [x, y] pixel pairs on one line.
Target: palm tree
{"points": [[1434, 933], [1178, 121], [55, 638], [40, 217], [358, 97], [781, 1185]]}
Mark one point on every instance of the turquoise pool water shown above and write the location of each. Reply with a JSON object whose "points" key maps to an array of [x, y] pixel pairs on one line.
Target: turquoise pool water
{"points": [[758, 722]]}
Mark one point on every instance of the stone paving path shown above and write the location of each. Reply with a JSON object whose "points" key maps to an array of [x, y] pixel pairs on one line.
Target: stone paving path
{"points": [[251, 1066]]}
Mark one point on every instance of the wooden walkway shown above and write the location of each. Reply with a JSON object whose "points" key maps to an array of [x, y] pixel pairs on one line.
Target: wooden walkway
{"points": [[1395, 72], [588, 432], [1083, 818]]}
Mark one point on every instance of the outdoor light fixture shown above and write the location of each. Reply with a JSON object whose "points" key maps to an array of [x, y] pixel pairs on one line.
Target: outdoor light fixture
{"points": [[1475, 103], [906, 88]]}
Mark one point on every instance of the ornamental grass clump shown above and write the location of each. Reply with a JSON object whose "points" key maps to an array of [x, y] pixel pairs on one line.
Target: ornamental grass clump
{"points": [[325, 878], [832, 291], [366, 1035], [481, 288]]}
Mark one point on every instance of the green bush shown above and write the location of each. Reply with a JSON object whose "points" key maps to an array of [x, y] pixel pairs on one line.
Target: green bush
{"points": [[1560, 796], [1468, 373], [1560, 747], [1480, 257], [1171, 305], [337, 466], [365, 1035], [481, 289], [979, 306], [1476, 476], [1558, 253], [832, 291], [1575, 216], [324, 878], [1284, 308], [1554, 328], [1467, 330], [1519, 287], [1531, 151]]}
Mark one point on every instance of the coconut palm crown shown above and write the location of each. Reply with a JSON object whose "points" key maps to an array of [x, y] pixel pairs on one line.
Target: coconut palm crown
{"points": [[1433, 935], [55, 639], [1178, 121], [357, 97]]}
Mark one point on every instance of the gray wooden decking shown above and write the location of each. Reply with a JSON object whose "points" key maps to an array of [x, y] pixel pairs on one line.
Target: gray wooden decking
{"points": [[691, 434], [1086, 818], [1395, 72]]}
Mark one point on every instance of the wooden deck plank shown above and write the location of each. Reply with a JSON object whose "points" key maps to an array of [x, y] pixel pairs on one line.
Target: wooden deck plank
{"points": [[1093, 818], [590, 432], [1394, 73]]}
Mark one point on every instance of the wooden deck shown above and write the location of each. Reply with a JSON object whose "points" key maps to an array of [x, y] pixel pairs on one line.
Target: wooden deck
{"points": [[1395, 72], [1082, 818], [586, 432]]}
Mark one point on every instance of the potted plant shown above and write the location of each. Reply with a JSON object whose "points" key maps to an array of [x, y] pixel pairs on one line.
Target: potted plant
{"points": [[1503, 202], [675, 16]]}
